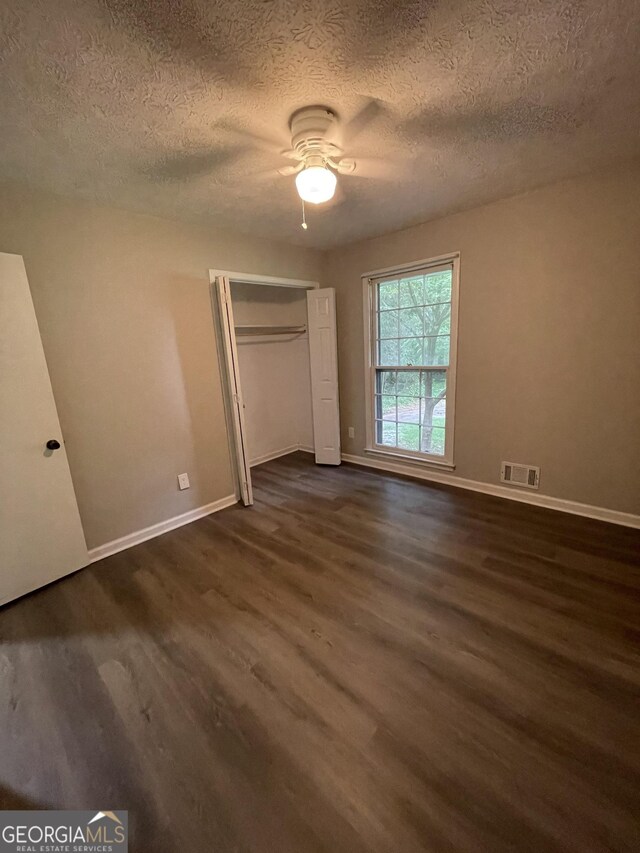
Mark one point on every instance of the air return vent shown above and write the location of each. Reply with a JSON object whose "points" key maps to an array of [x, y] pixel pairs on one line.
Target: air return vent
{"points": [[527, 476]]}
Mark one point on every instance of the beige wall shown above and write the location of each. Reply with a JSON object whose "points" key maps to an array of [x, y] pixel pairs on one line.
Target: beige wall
{"points": [[125, 316], [549, 335], [549, 367]]}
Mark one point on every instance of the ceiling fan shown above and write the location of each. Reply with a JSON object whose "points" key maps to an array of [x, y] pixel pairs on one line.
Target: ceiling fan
{"points": [[318, 156], [317, 141]]}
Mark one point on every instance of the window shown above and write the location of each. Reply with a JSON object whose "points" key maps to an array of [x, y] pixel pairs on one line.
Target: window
{"points": [[412, 320]]}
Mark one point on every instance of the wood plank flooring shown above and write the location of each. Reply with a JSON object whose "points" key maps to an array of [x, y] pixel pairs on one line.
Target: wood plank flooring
{"points": [[360, 663]]}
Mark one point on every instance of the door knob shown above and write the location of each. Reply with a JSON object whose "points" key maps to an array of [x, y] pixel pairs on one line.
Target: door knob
{"points": [[52, 444]]}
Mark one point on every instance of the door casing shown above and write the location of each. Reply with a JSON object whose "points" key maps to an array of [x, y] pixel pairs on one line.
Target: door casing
{"points": [[231, 372]]}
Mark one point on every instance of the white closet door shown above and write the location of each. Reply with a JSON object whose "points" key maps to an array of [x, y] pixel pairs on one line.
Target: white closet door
{"points": [[233, 381], [41, 536], [323, 353]]}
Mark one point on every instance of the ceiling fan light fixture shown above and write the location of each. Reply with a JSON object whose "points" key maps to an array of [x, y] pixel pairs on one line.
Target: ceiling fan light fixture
{"points": [[316, 184]]}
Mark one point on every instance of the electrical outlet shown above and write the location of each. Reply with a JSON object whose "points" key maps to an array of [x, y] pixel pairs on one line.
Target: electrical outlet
{"points": [[352, 432], [183, 481]]}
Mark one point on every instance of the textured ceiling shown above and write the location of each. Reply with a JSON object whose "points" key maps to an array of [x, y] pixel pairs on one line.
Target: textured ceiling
{"points": [[171, 106]]}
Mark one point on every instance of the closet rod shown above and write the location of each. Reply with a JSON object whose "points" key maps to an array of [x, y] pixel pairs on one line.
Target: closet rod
{"points": [[270, 330]]}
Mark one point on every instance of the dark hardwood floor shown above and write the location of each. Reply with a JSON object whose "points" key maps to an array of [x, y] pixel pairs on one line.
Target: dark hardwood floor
{"points": [[359, 663]]}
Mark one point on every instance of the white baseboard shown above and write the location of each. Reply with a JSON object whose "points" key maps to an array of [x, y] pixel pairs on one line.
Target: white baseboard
{"points": [[600, 513], [267, 457], [161, 527], [627, 519]]}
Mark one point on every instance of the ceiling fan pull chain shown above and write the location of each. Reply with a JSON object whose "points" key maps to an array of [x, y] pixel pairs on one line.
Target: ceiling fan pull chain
{"points": [[304, 218]]}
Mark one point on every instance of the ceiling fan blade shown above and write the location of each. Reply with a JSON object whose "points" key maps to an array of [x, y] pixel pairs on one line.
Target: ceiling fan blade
{"points": [[273, 145], [291, 170], [345, 166], [344, 134], [259, 176], [379, 169], [185, 166]]}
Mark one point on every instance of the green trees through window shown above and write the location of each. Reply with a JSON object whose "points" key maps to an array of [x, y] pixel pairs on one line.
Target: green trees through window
{"points": [[411, 359]]}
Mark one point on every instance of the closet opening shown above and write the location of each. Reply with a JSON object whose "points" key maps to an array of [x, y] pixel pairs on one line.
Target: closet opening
{"points": [[279, 352]]}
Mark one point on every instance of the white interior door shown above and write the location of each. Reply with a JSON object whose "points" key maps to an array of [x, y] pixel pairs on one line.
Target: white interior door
{"points": [[41, 536], [235, 389], [323, 354]]}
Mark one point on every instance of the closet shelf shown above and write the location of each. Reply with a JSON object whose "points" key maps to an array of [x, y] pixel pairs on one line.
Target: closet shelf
{"points": [[254, 329]]}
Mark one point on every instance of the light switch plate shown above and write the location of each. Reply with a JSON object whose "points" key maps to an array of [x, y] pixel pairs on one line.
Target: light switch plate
{"points": [[183, 481]]}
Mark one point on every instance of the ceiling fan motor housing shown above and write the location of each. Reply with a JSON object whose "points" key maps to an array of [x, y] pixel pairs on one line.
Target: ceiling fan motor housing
{"points": [[310, 127]]}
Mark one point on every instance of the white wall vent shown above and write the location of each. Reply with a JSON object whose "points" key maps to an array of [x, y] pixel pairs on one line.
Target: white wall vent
{"points": [[526, 476]]}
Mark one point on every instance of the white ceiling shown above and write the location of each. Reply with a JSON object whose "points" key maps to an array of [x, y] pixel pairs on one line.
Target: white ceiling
{"points": [[142, 103]]}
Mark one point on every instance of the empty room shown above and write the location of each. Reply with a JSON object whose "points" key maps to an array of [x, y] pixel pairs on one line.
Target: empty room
{"points": [[319, 426]]}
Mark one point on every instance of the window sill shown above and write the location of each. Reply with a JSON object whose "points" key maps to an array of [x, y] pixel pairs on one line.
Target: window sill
{"points": [[422, 463]]}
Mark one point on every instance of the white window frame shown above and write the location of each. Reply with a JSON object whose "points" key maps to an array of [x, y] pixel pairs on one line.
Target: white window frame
{"points": [[369, 280]]}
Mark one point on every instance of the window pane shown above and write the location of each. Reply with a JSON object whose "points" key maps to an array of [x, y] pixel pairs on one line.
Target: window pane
{"points": [[387, 295], [386, 382], [389, 324], [412, 291], [437, 287], [436, 350], [386, 409], [388, 352], [437, 319], [411, 322], [386, 433], [410, 352], [433, 382], [432, 440], [408, 410], [408, 383], [433, 409], [409, 436]]}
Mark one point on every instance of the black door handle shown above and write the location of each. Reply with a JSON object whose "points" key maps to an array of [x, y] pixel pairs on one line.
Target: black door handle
{"points": [[52, 444]]}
